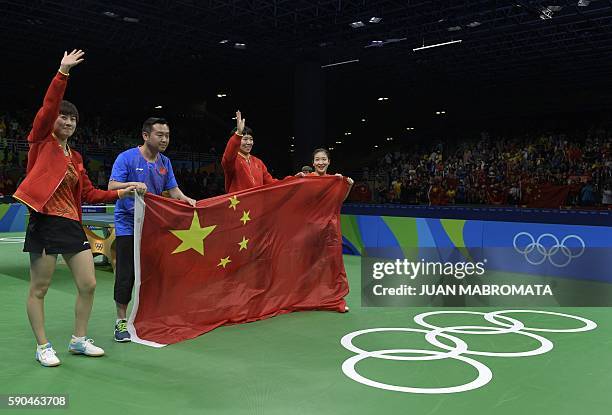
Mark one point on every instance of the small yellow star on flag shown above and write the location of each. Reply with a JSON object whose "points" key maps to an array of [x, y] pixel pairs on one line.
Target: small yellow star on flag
{"points": [[224, 262], [243, 243], [245, 216], [233, 202], [192, 238]]}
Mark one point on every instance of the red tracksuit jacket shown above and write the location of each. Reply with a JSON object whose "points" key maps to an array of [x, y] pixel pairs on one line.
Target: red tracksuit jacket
{"points": [[242, 173], [47, 163]]}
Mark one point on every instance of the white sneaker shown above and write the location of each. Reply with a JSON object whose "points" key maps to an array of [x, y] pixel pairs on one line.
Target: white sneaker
{"points": [[84, 346], [46, 356]]}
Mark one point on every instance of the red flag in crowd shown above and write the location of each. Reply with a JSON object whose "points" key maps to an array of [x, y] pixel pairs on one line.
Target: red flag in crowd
{"points": [[545, 195]]}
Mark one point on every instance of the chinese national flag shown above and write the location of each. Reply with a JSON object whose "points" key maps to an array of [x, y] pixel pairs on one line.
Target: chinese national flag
{"points": [[237, 258], [546, 196]]}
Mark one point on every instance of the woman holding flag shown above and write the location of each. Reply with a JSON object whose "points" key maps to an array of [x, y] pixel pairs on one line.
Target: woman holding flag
{"points": [[54, 186]]}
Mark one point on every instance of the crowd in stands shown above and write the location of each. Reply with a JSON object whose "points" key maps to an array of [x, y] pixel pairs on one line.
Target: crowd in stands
{"points": [[545, 171]]}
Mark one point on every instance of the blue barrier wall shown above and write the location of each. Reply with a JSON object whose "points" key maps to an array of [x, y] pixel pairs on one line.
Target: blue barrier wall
{"points": [[12, 217], [529, 241]]}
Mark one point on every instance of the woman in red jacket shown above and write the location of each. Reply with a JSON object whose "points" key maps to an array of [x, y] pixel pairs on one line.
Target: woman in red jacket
{"points": [[243, 170], [54, 186]]}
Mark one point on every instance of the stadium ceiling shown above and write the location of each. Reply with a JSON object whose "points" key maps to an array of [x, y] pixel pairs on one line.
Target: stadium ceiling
{"points": [[518, 41]]}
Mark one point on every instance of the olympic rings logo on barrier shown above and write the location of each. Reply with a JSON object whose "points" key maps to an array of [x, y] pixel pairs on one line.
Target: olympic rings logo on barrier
{"points": [[457, 351], [536, 253]]}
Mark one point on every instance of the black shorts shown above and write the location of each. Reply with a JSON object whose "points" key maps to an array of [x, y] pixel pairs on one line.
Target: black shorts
{"points": [[124, 269], [54, 235]]}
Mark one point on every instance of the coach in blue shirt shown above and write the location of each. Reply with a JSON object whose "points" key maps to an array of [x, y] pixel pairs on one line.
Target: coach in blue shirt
{"points": [[150, 171]]}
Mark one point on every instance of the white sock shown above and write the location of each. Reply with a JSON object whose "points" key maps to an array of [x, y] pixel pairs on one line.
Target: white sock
{"points": [[78, 339], [42, 346], [120, 319]]}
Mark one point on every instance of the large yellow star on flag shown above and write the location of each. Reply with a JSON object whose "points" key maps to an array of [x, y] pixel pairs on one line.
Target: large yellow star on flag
{"points": [[245, 216], [243, 244], [192, 238], [224, 262], [233, 202]]}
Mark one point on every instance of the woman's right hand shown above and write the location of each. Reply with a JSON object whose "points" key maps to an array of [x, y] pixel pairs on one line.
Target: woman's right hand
{"points": [[240, 122]]}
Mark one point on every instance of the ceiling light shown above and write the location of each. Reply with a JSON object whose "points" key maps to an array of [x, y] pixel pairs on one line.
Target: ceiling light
{"points": [[436, 45], [396, 39], [131, 20], [454, 28], [110, 14], [338, 142], [357, 24], [474, 24], [546, 13], [340, 63], [583, 3], [375, 19], [239, 45], [376, 44], [158, 107], [347, 133], [221, 95], [363, 120], [375, 145], [223, 41]]}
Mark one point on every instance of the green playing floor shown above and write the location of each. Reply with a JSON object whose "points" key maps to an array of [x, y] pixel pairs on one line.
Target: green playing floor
{"points": [[292, 364]]}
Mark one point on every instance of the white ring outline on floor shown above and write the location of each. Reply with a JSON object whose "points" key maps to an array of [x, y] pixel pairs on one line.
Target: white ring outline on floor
{"points": [[484, 372]]}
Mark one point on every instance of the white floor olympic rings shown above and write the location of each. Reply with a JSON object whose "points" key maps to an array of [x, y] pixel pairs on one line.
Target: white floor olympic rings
{"points": [[503, 325]]}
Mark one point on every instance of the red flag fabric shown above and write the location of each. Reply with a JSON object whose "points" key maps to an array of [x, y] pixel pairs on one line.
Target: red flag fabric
{"points": [[545, 195], [237, 258]]}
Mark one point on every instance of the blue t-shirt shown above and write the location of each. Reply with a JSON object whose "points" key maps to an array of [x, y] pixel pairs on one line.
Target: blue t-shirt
{"points": [[131, 166]]}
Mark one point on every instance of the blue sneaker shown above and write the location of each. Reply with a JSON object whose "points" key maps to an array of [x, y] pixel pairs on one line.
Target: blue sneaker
{"points": [[84, 345], [121, 332]]}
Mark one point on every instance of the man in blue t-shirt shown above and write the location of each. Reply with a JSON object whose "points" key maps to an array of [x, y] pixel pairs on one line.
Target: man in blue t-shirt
{"points": [[152, 171]]}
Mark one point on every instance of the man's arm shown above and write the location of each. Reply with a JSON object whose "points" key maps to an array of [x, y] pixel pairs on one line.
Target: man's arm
{"points": [[138, 186], [119, 176], [176, 193]]}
